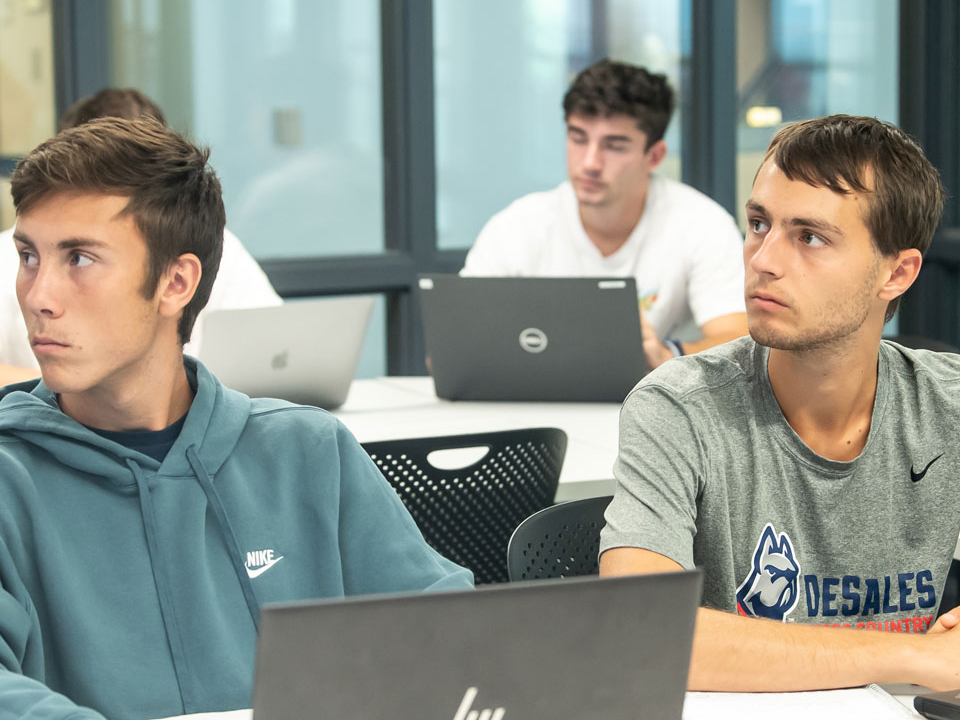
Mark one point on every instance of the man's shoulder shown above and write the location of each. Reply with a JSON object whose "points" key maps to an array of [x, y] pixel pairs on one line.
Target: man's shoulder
{"points": [[926, 370], [707, 376], [673, 196], [280, 417]]}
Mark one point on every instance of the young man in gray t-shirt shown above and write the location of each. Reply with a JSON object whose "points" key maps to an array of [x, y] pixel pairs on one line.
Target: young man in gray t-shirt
{"points": [[809, 470]]}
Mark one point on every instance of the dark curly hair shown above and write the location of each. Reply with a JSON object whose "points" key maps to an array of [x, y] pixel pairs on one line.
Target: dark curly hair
{"points": [[614, 88]]}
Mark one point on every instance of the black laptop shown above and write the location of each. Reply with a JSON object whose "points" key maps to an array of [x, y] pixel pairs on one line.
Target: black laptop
{"points": [[561, 339], [616, 648]]}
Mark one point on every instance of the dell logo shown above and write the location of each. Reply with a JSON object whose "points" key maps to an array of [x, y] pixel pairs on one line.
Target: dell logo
{"points": [[279, 361], [533, 340], [465, 713]]}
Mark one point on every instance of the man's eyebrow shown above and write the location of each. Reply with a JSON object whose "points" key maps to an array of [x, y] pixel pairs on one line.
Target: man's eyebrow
{"points": [[605, 138], [79, 243], [21, 238], [816, 225], [68, 244], [798, 222]]}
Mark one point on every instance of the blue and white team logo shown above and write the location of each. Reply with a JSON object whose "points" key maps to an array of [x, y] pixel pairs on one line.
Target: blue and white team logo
{"points": [[772, 589]]}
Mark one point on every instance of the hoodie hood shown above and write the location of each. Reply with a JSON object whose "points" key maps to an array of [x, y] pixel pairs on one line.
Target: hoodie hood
{"points": [[216, 418]]}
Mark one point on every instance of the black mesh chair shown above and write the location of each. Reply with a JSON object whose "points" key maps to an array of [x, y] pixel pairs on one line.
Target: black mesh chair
{"points": [[467, 514], [560, 541]]}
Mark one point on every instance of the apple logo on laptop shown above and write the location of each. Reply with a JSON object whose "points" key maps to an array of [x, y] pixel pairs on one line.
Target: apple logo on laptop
{"points": [[533, 340], [279, 361]]}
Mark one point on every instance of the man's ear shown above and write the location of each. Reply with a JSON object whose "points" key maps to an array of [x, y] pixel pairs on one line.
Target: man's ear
{"points": [[657, 152], [178, 284], [903, 270]]}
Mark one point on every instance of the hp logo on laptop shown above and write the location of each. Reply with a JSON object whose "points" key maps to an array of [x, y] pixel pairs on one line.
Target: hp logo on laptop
{"points": [[465, 713], [533, 340]]}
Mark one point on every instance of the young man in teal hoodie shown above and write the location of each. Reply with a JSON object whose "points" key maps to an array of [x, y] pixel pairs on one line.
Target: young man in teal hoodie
{"points": [[146, 511]]}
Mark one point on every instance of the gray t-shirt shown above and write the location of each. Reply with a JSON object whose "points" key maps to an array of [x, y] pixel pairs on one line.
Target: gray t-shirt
{"points": [[711, 474]]}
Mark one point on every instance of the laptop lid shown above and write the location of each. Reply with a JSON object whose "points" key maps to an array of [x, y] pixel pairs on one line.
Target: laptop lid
{"points": [[615, 648], [563, 339], [303, 351]]}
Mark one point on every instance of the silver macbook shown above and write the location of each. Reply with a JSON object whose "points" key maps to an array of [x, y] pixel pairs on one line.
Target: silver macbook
{"points": [[615, 648], [303, 351], [564, 339]]}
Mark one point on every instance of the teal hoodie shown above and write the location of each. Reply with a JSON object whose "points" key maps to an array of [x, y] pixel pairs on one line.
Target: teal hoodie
{"points": [[133, 587]]}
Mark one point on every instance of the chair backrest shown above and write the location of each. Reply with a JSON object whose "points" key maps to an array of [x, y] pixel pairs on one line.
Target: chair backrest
{"points": [[560, 541], [468, 513]]}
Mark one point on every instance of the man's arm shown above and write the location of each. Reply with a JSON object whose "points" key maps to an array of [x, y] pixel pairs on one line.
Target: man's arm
{"points": [[739, 654], [716, 331]]}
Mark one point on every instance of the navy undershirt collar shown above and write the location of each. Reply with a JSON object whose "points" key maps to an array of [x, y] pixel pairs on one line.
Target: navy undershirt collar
{"points": [[154, 443]]}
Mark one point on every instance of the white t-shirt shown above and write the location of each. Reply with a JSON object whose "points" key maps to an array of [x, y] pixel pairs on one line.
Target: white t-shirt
{"points": [[686, 252], [240, 283]]}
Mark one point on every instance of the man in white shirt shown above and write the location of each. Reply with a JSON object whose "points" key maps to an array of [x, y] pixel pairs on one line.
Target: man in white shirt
{"points": [[240, 282], [614, 217]]}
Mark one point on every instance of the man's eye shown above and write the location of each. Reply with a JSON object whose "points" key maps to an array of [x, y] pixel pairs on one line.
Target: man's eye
{"points": [[28, 259], [812, 240], [758, 226], [80, 260]]}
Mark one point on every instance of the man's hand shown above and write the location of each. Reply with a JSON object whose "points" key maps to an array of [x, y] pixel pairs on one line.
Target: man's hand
{"points": [[947, 621], [657, 353]]}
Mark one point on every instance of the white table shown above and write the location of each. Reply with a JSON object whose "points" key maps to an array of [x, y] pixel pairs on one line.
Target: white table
{"points": [[390, 408], [901, 692]]}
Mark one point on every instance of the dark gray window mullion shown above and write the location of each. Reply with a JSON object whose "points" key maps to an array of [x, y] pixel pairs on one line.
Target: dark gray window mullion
{"points": [[930, 112], [409, 169], [709, 103]]}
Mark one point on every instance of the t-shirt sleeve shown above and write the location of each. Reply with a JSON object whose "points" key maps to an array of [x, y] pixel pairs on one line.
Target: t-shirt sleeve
{"points": [[716, 270], [658, 473]]}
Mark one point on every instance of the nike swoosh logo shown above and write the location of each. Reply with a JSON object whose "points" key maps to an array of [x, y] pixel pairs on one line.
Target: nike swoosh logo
{"points": [[918, 476], [261, 570]]}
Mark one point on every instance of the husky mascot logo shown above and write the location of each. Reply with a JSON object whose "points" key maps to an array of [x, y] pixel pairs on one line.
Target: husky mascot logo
{"points": [[771, 590]]}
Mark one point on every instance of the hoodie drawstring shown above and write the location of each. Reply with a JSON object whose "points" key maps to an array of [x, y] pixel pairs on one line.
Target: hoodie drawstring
{"points": [[163, 587], [233, 548]]}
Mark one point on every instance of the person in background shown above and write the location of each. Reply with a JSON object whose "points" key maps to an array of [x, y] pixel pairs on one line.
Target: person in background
{"points": [[614, 216], [810, 469], [146, 511], [241, 283]]}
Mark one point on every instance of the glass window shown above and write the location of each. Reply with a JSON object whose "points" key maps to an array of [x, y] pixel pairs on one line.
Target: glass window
{"points": [[798, 59], [26, 85], [287, 93], [501, 70]]}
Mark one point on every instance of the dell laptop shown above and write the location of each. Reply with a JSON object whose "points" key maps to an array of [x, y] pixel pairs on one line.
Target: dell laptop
{"points": [[616, 648], [561, 339], [303, 351]]}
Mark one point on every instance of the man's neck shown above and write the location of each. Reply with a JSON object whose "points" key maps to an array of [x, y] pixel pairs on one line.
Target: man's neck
{"points": [[827, 395], [147, 398], [610, 226]]}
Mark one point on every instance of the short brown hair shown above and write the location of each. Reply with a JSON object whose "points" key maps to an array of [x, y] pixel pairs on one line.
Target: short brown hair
{"points": [[614, 88], [174, 195], [127, 103], [842, 152]]}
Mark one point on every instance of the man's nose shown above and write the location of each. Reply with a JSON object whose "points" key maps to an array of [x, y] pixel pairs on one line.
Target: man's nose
{"points": [[39, 291], [593, 159], [766, 255]]}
